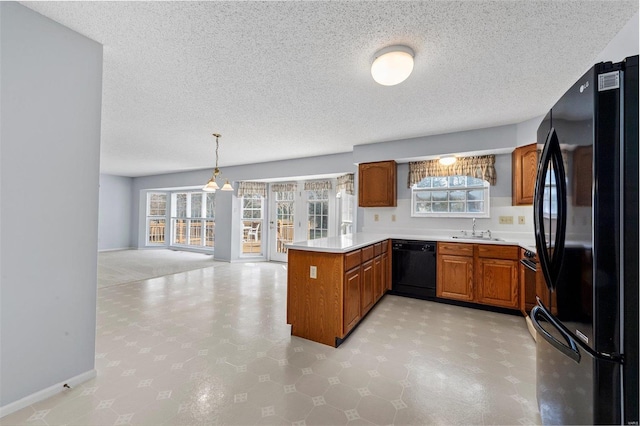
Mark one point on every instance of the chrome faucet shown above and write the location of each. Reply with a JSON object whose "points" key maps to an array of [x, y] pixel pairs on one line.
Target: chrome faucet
{"points": [[473, 229]]}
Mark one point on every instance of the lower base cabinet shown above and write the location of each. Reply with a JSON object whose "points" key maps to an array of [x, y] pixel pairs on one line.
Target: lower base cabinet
{"points": [[479, 273], [326, 308]]}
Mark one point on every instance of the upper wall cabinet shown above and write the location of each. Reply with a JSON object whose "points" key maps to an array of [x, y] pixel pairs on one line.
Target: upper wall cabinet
{"points": [[377, 184], [525, 168]]}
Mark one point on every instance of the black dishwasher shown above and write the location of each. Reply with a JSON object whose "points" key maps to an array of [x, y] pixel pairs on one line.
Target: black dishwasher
{"points": [[413, 266]]}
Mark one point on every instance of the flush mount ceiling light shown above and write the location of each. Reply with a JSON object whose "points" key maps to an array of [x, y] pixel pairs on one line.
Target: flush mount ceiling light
{"points": [[211, 186], [392, 65], [447, 160]]}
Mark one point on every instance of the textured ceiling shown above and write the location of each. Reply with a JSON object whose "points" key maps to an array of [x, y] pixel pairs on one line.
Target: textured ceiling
{"points": [[284, 80]]}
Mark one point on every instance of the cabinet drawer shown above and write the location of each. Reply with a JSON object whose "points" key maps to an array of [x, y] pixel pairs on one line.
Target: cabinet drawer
{"points": [[455, 249], [352, 259], [367, 253], [385, 246], [377, 249], [498, 252]]}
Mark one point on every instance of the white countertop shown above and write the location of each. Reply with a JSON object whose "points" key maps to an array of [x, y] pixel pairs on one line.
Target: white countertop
{"points": [[349, 242]]}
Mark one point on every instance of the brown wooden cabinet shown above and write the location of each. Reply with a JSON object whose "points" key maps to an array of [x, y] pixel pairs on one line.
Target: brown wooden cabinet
{"points": [[532, 286], [377, 184], [498, 283], [378, 277], [368, 282], [352, 281], [525, 168], [455, 271], [479, 273], [326, 308]]}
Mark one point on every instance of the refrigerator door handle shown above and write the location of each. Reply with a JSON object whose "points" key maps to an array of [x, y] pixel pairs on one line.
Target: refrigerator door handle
{"points": [[550, 264], [570, 350]]}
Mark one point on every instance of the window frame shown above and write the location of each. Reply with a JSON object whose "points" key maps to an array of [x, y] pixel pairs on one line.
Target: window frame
{"points": [[486, 200], [149, 217], [189, 218]]}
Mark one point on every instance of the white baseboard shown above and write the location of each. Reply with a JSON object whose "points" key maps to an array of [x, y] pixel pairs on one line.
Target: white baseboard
{"points": [[45, 393], [114, 249]]}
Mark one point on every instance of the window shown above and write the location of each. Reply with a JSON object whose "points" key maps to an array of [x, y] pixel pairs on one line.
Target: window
{"points": [[318, 213], [193, 219], [252, 224], [346, 202], [156, 217], [450, 196]]}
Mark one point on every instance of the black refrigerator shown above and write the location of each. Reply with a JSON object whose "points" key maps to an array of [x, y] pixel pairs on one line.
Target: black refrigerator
{"points": [[586, 229]]}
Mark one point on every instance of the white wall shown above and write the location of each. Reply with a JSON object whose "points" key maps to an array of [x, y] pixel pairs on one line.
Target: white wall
{"points": [[624, 44], [51, 84], [114, 219]]}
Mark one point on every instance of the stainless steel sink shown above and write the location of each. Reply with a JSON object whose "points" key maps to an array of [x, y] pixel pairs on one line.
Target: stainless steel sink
{"points": [[476, 237]]}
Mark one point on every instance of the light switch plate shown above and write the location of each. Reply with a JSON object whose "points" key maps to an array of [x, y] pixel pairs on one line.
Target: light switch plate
{"points": [[313, 272]]}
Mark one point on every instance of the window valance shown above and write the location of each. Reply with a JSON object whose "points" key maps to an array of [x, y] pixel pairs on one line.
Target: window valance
{"points": [[346, 182], [284, 187], [252, 188], [480, 167], [317, 185]]}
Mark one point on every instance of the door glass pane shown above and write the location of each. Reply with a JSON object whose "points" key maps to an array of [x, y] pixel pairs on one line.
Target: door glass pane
{"points": [[252, 227], [318, 214], [284, 216]]}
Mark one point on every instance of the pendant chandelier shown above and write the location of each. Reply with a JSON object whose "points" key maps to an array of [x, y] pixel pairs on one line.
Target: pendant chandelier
{"points": [[211, 186]]}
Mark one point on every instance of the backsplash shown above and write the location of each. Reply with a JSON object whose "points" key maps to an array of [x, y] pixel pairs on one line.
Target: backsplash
{"points": [[405, 224]]}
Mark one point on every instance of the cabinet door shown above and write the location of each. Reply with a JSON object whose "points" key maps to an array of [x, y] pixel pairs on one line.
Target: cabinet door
{"points": [[367, 289], [385, 273], [377, 184], [525, 168], [352, 279], [378, 278], [497, 283], [455, 277]]}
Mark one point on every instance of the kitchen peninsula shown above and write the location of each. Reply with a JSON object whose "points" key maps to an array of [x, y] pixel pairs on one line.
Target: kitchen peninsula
{"points": [[334, 282]]}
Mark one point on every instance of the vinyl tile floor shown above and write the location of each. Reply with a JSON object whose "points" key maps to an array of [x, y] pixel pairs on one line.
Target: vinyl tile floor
{"points": [[211, 347]]}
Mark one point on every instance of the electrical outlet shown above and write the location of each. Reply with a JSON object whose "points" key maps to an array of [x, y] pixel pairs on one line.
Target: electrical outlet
{"points": [[520, 220], [393, 218], [376, 217], [505, 220], [313, 272]]}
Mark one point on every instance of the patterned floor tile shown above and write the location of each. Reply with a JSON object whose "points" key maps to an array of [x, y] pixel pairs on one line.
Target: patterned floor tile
{"points": [[211, 346]]}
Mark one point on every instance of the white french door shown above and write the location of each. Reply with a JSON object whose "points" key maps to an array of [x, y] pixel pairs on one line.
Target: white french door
{"points": [[300, 215], [282, 223]]}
